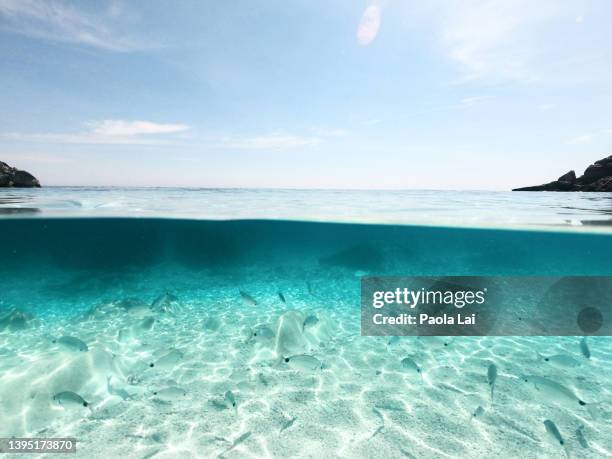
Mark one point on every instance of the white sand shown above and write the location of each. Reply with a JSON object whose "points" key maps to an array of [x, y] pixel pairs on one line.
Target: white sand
{"points": [[362, 403]]}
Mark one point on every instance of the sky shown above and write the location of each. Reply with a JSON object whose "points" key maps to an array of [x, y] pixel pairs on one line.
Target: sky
{"points": [[389, 94]]}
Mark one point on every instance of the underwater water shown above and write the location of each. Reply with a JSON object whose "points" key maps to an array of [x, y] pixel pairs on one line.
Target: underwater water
{"points": [[241, 338]]}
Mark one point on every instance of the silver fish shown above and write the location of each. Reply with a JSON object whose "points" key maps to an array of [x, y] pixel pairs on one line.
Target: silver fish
{"points": [[68, 398], [286, 425], [236, 442], [552, 388], [166, 303], [72, 344], [170, 394], [304, 362], [411, 365], [310, 321], [229, 399], [393, 340], [282, 297], [147, 323], [584, 348], [478, 412], [169, 360], [248, 299], [552, 430], [581, 438], [561, 360], [262, 332], [491, 377]]}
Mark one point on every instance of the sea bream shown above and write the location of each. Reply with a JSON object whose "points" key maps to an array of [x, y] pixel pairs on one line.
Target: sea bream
{"points": [[247, 299], [70, 343]]}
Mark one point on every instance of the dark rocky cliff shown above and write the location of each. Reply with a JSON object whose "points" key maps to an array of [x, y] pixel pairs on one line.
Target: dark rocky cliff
{"points": [[13, 177], [596, 177]]}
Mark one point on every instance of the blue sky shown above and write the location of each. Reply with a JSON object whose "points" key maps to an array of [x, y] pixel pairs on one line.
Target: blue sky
{"points": [[445, 94]]}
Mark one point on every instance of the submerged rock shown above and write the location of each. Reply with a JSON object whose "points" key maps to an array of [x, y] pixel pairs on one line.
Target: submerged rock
{"points": [[15, 320], [597, 177], [296, 332], [135, 306], [167, 303], [13, 177]]}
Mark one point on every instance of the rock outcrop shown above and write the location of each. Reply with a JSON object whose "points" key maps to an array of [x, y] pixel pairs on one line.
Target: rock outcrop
{"points": [[13, 177], [596, 177]]}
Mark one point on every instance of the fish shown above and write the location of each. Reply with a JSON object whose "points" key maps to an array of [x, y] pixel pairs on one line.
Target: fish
{"points": [[561, 360], [147, 323], [211, 323], [584, 348], [236, 442], [393, 340], [170, 394], [169, 360], [377, 431], [166, 303], [304, 362], [553, 389], [72, 344], [310, 288], [263, 332], [287, 424], [379, 415], [248, 299], [68, 398], [478, 412], [580, 436], [552, 430], [282, 297], [411, 365], [229, 399], [309, 321], [491, 377]]}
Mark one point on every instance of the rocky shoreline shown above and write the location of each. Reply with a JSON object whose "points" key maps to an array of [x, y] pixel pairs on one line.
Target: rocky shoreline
{"points": [[597, 177], [13, 177]]}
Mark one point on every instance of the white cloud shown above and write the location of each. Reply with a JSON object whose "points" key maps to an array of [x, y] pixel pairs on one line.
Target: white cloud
{"points": [[63, 22], [547, 107], [119, 132], [275, 141], [519, 40], [369, 25], [474, 100], [122, 128], [581, 139]]}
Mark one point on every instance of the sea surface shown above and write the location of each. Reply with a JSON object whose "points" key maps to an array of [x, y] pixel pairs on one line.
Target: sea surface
{"points": [[177, 323]]}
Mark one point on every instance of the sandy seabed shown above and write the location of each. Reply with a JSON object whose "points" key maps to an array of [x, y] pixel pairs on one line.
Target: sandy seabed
{"points": [[203, 372]]}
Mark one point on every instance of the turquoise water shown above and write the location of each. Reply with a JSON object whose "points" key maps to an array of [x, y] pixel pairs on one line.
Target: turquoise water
{"points": [[177, 362]]}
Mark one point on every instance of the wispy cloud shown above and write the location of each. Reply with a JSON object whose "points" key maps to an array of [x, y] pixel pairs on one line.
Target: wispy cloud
{"points": [[474, 100], [590, 137], [369, 25], [64, 22], [122, 128], [106, 132], [518, 40], [581, 139], [547, 107], [274, 141]]}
